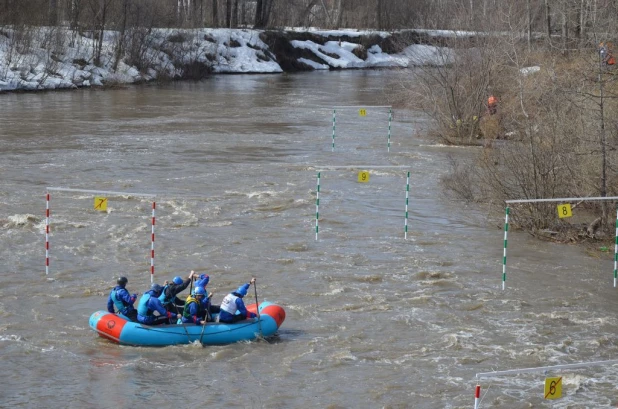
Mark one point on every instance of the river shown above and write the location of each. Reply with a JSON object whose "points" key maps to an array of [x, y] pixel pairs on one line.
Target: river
{"points": [[374, 320]]}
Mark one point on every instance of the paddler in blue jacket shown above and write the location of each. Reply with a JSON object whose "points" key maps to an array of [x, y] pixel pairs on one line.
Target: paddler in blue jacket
{"points": [[202, 281], [169, 293], [149, 303], [120, 298], [210, 309], [233, 302]]}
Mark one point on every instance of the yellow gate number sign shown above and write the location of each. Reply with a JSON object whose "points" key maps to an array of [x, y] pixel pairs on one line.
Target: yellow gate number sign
{"points": [[362, 112], [100, 203], [363, 176], [553, 388], [564, 210]]}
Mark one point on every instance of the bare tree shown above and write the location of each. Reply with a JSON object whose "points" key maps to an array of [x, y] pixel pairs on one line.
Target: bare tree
{"points": [[215, 13], [121, 34], [263, 13], [228, 13], [53, 12]]}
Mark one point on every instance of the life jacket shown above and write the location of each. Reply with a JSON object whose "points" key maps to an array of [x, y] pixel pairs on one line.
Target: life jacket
{"points": [[142, 309], [163, 298], [229, 304], [120, 304], [200, 308]]}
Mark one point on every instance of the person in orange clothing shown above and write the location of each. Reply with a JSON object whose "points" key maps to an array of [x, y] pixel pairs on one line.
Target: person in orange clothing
{"points": [[492, 105], [607, 56]]}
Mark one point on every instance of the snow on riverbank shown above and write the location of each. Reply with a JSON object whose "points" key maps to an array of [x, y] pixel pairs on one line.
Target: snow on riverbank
{"points": [[44, 58]]}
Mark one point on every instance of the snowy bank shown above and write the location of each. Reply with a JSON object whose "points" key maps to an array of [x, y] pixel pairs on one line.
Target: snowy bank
{"points": [[46, 58]]}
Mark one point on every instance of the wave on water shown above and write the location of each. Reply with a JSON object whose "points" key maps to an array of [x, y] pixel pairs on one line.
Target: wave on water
{"points": [[297, 247], [371, 278], [220, 223], [11, 337], [181, 216], [252, 195], [571, 317], [433, 275], [20, 220], [459, 341], [277, 207], [261, 195], [61, 225], [341, 357]]}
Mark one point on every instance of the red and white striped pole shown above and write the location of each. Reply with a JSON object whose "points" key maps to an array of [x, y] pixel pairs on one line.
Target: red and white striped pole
{"points": [[47, 235], [477, 395], [152, 244]]}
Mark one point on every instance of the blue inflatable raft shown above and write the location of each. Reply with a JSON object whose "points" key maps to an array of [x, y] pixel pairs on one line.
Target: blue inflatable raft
{"points": [[120, 330]]}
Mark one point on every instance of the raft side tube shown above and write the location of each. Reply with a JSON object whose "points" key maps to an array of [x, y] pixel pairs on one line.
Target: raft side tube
{"points": [[275, 312], [107, 325], [268, 308]]}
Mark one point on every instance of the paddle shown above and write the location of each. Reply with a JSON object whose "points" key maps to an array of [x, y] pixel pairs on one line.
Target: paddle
{"points": [[183, 324], [205, 320], [257, 308]]}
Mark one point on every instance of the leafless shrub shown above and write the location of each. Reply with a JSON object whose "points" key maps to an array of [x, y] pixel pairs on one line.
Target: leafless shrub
{"points": [[177, 37], [18, 45], [360, 52], [452, 91], [195, 70], [139, 41], [461, 180]]}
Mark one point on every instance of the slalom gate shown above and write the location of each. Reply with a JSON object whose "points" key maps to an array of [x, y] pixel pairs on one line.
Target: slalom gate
{"points": [[100, 205], [564, 210], [553, 385], [370, 113], [363, 176]]}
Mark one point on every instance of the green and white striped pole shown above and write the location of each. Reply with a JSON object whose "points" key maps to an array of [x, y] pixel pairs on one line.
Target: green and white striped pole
{"points": [[334, 121], [390, 117], [506, 230], [616, 251], [405, 229], [317, 207]]}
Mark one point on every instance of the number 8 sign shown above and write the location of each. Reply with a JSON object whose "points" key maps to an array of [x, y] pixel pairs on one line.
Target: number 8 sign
{"points": [[564, 210]]}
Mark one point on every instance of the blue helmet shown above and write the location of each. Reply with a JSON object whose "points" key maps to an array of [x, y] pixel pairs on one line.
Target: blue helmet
{"points": [[242, 291], [156, 288], [199, 291], [178, 280]]}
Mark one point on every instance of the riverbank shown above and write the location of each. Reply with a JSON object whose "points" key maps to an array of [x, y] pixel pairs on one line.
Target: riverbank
{"points": [[48, 58]]}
